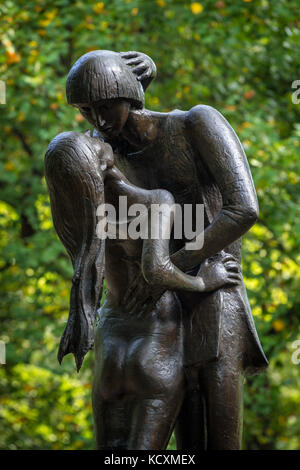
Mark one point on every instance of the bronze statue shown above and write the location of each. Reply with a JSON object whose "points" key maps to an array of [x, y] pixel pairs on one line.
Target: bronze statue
{"points": [[176, 336]]}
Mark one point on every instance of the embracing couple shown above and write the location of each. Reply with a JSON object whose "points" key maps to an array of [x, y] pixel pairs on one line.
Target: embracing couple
{"points": [[175, 337]]}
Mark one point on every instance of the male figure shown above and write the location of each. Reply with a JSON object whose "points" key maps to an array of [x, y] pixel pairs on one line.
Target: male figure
{"points": [[197, 157]]}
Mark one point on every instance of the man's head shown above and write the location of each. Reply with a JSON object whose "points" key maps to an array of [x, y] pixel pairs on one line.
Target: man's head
{"points": [[104, 89]]}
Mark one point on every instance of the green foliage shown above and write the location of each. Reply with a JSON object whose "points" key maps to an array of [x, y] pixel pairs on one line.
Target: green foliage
{"points": [[240, 57]]}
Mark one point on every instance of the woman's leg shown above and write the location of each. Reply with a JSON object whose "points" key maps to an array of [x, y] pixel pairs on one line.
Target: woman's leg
{"points": [[155, 375], [153, 421], [138, 387]]}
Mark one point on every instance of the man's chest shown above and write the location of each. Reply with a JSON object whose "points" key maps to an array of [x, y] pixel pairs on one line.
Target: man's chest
{"points": [[170, 165]]}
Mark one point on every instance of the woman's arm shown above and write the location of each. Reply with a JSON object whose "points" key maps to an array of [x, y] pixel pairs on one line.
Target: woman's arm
{"points": [[158, 271], [157, 267]]}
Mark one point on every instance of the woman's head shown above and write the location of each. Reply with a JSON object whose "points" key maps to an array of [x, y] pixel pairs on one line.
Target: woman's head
{"points": [[104, 89], [74, 150]]}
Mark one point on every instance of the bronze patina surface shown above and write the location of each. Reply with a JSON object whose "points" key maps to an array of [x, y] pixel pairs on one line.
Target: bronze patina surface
{"points": [[175, 338]]}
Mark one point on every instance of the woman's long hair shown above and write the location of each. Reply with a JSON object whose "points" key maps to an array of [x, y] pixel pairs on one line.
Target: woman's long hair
{"points": [[76, 189]]}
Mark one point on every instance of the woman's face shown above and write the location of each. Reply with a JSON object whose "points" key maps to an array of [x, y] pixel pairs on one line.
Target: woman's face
{"points": [[107, 116], [103, 151]]}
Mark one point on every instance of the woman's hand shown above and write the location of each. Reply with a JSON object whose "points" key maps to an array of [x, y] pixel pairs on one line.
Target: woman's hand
{"points": [[142, 65]]}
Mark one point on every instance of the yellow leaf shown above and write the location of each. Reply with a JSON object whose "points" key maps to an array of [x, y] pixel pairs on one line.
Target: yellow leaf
{"points": [[8, 19], [99, 7], [92, 48], [134, 11], [245, 125], [257, 311], [12, 57], [196, 8], [9, 166], [293, 178], [20, 117], [154, 101], [79, 118], [278, 325], [249, 94], [24, 16], [51, 14], [60, 96], [230, 107], [104, 24], [44, 23]]}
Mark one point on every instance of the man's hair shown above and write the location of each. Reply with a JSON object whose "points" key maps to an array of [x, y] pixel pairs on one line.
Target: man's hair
{"points": [[100, 75]]}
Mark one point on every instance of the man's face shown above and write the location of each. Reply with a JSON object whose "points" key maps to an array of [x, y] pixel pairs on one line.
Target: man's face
{"points": [[107, 116]]}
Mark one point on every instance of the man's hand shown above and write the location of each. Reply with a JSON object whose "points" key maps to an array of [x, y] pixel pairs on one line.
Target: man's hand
{"points": [[219, 273], [142, 65], [141, 298]]}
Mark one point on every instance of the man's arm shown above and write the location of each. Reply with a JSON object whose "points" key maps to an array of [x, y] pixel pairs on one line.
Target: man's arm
{"points": [[221, 152]]}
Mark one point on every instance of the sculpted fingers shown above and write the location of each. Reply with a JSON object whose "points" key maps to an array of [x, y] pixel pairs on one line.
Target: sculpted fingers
{"points": [[137, 300], [131, 289], [132, 305], [138, 69], [233, 282], [145, 308], [135, 61], [234, 276], [129, 54], [145, 75], [232, 266], [228, 257]]}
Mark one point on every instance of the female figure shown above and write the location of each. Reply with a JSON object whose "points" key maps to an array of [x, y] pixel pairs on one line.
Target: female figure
{"points": [[139, 380]]}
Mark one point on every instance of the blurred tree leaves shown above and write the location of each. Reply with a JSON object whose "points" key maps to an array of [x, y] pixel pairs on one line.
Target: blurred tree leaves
{"points": [[240, 57]]}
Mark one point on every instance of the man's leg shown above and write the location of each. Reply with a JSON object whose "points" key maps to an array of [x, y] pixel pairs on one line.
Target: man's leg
{"points": [[211, 416], [190, 429], [223, 390]]}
